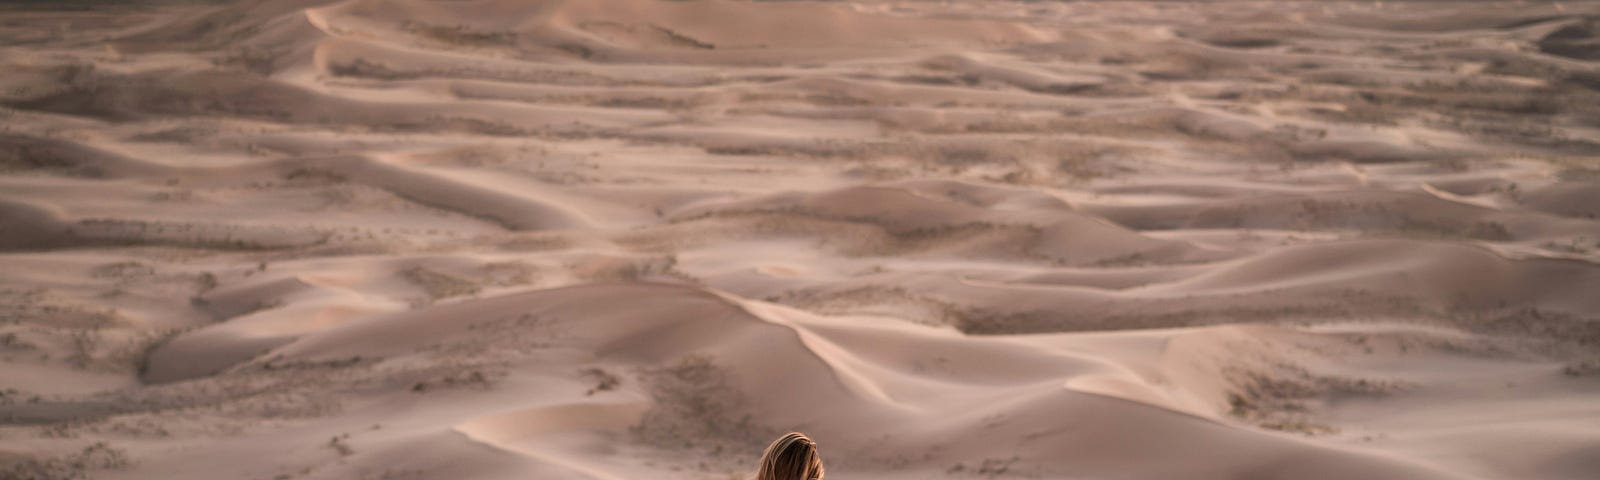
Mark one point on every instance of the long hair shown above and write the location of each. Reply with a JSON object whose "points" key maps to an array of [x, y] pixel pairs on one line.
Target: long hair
{"points": [[791, 457]]}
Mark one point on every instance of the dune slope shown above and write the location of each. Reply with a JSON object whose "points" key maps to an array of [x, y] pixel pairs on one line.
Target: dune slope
{"points": [[637, 239]]}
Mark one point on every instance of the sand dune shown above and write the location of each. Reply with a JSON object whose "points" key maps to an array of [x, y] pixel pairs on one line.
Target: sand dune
{"points": [[626, 239]]}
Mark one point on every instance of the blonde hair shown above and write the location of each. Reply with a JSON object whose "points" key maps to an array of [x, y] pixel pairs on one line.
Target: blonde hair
{"points": [[791, 457]]}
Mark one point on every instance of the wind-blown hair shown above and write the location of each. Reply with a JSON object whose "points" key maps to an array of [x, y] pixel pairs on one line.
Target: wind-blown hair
{"points": [[791, 457]]}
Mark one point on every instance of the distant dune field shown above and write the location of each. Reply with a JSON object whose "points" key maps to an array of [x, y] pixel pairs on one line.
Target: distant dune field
{"points": [[638, 239]]}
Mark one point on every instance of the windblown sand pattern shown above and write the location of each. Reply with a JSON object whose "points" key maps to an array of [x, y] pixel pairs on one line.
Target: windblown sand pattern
{"points": [[636, 239]]}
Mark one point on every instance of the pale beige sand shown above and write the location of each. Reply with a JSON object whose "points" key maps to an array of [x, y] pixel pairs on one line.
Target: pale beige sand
{"points": [[637, 239]]}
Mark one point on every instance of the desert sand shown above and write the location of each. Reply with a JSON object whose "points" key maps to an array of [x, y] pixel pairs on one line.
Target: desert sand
{"points": [[638, 239]]}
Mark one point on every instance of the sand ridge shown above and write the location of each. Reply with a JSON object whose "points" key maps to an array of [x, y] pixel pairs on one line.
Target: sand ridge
{"points": [[622, 239]]}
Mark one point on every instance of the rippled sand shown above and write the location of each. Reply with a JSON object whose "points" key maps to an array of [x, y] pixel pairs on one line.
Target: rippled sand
{"points": [[636, 239]]}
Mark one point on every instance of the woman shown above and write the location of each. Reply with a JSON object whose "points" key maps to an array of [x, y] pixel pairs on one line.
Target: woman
{"points": [[791, 457]]}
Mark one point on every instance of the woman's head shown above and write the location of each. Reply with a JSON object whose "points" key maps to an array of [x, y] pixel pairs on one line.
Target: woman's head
{"points": [[791, 457]]}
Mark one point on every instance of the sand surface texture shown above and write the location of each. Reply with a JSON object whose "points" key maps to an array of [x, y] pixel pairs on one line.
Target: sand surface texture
{"points": [[637, 239]]}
